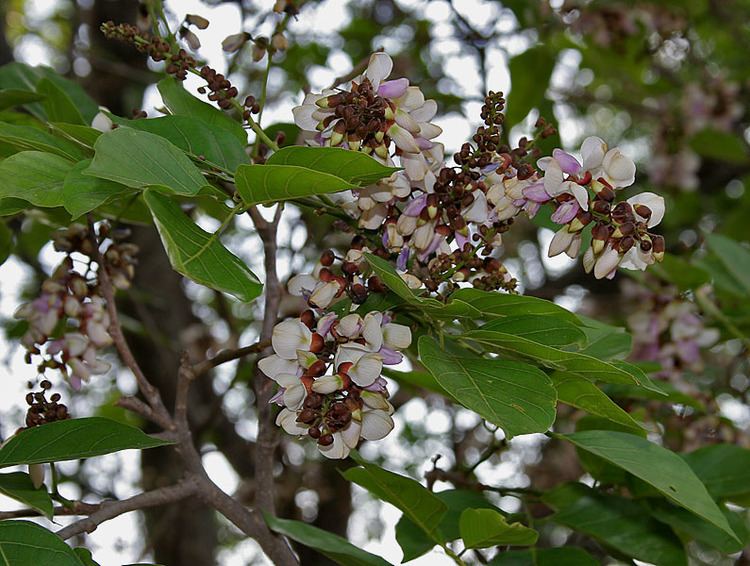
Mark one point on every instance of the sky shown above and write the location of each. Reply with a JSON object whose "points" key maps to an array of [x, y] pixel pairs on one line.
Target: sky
{"points": [[116, 541]]}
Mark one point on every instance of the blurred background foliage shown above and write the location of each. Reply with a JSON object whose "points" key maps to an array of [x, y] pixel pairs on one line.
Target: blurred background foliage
{"points": [[667, 80]]}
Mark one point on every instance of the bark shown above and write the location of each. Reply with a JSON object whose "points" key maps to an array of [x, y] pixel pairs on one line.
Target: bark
{"points": [[184, 532]]}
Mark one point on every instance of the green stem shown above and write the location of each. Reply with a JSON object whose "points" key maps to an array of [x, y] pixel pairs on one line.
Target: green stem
{"points": [[55, 492]]}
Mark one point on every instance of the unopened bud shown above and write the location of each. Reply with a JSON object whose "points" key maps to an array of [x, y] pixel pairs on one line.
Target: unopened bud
{"points": [[234, 42], [317, 343], [279, 42], [198, 21]]}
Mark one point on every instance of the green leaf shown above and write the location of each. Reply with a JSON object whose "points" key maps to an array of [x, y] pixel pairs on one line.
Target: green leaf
{"points": [[563, 556], [289, 129], [181, 102], [267, 184], [605, 342], [83, 134], [515, 396], [723, 468], [617, 522], [23, 543], [19, 75], [57, 104], [353, 166], [215, 146], [83, 193], [736, 259], [573, 362], [200, 255], [423, 379], [582, 394], [661, 392], [85, 556], [141, 159], [333, 546], [12, 206], [19, 486], [73, 439], [655, 465], [35, 177], [689, 526], [482, 528], [12, 97], [683, 274], [414, 542], [418, 503], [493, 304], [722, 146], [530, 74], [30, 138], [546, 329]]}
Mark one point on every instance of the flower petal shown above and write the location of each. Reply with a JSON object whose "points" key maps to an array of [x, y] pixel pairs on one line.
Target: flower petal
{"points": [[379, 67]]}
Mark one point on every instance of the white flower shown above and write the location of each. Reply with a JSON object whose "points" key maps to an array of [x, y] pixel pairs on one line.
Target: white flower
{"points": [[372, 330], [607, 261], [376, 424], [564, 241], [396, 336], [366, 369], [655, 204], [287, 420], [273, 365], [300, 284], [337, 450], [324, 294], [555, 183], [102, 121], [327, 384], [593, 150], [619, 169], [289, 336], [350, 326], [294, 389]]}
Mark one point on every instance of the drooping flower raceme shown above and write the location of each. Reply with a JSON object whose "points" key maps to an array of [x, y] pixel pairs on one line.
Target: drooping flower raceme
{"points": [[441, 227], [68, 322], [329, 372], [586, 192]]}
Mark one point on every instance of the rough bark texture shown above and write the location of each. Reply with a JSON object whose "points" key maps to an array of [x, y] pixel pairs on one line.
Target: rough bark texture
{"points": [[183, 532]]}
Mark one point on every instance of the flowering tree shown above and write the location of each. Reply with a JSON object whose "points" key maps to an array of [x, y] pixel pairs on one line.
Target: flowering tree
{"points": [[411, 289]]}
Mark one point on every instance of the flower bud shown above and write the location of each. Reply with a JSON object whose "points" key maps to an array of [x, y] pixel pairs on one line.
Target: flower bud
{"points": [[198, 21], [279, 42], [234, 42]]}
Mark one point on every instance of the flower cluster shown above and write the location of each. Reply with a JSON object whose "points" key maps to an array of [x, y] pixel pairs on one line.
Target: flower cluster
{"points": [[329, 370], [441, 227], [41, 410], [387, 119], [68, 322], [668, 329], [586, 193]]}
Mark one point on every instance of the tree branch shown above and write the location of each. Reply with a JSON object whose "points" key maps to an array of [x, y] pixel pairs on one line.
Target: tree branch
{"points": [[227, 356], [267, 439], [111, 509], [151, 393]]}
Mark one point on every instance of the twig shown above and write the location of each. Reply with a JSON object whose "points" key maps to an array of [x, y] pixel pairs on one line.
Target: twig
{"points": [[111, 509], [265, 444], [227, 356], [185, 377], [151, 393], [78, 508]]}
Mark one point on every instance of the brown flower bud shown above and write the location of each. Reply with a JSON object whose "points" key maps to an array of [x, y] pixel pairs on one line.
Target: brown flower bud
{"points": [[198, 21]]}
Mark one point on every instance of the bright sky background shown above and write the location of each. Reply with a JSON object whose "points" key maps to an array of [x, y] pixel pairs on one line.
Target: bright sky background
{"points": [[116, 542]]}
